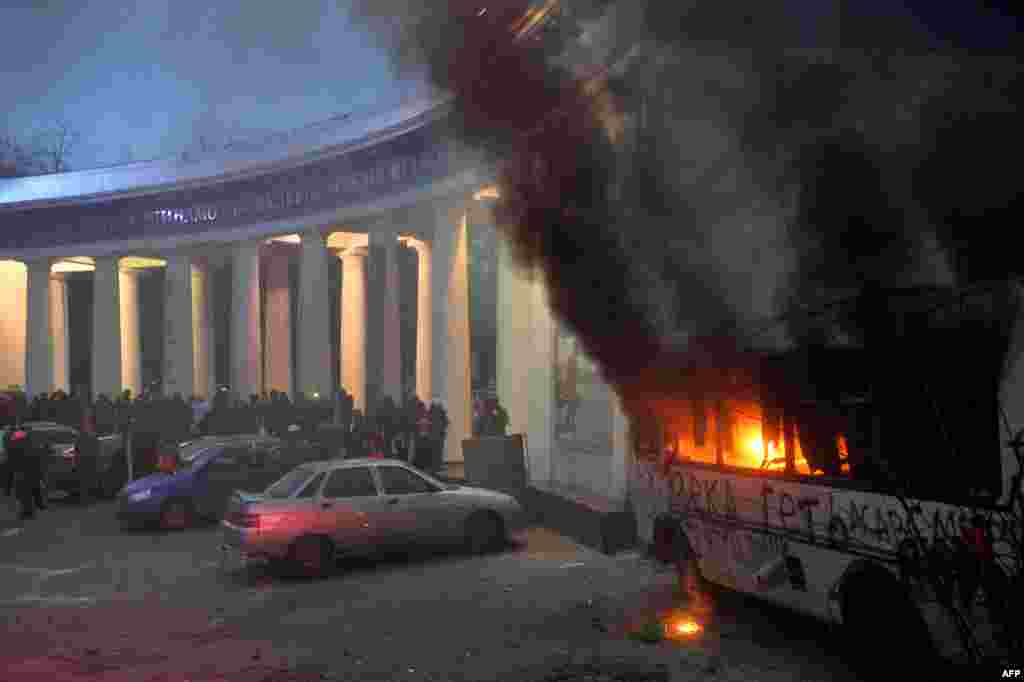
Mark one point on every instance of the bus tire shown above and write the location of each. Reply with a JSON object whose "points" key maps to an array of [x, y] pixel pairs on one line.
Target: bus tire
{"points": [[671, 545], [882, 626]]}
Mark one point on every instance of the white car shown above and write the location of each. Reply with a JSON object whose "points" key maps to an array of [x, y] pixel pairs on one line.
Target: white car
{"points": [[321, 511]]}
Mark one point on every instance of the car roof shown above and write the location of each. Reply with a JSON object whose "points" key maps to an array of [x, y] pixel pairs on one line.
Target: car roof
{"points": [[234, 438], [46, 426], [333, 464]]}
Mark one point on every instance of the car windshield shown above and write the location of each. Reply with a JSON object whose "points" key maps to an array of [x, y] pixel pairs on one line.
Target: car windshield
{"points": [[290, 484]]}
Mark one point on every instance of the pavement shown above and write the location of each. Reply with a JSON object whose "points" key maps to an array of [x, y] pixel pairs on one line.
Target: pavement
{"points": [[81, 600]]}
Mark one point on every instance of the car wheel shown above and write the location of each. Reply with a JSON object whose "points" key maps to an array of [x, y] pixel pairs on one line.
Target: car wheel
{"points": [[176, 514], [484, 532], [311, 556]]}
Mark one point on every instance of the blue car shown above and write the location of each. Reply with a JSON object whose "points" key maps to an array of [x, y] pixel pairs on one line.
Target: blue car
{"points": [[207, 472]]}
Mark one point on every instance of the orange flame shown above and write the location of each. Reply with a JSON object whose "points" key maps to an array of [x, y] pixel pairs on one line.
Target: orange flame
{"points": [[746, 448], [688, 627]]}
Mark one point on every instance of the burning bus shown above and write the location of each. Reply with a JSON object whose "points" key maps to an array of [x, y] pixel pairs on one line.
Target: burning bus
{"points": [[872, 482]]}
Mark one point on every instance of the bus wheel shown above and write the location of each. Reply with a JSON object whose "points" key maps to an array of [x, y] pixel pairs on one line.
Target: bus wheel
{"points": [[672, 546], [882, 625]]}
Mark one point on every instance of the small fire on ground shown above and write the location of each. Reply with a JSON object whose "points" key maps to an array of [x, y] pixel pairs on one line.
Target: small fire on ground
{"points": [[674, 625], [684, 627]]}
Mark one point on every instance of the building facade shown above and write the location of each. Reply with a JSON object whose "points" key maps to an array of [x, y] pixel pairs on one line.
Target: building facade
{"points": [[277, 267]]}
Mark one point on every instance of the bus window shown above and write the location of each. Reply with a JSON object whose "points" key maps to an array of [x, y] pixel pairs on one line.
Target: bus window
{"points": [[757, 445]]}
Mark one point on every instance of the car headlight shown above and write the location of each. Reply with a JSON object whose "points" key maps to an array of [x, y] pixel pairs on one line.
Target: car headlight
{"points": [[141, 495]]}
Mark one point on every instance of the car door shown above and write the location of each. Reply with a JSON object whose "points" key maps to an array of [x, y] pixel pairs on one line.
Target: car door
{"points": [[226, 472], [265, 466], [349, 506], [415, 508], [56, 441]]}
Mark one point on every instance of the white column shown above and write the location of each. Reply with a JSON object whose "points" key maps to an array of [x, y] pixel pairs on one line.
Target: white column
{"points": [[59, 329], [451, 292], [13, 323], [131, 350], [441, 248], [277, 354], [526, 359], [314, 357], [201, 329], [246, 353], [353, 324], [387, 336], [179, 359], [541, 380], [106, 328], [424, 319], [621, 452], [38, 341], [514, 339]]}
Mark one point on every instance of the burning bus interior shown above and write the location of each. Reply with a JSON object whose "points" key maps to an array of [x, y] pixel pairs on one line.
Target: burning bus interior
{"points": [[909, 406]]}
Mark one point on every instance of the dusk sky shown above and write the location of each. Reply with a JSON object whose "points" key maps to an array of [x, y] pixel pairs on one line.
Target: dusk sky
{"points": [[138, 78], [143, 78]]}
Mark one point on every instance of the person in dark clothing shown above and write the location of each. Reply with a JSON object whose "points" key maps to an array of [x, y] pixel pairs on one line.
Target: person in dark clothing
{"points": [[8, 468], [399, 449], [87, 447], [26, 467]]}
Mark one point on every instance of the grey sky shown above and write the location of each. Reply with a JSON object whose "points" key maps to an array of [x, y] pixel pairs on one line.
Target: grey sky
{"points": [[137, 77]]}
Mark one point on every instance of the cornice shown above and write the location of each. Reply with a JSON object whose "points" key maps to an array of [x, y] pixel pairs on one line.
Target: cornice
{"points": [[202, 172]]}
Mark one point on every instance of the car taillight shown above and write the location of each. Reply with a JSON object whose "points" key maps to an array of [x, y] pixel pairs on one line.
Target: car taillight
{"points": [[244, 520]]}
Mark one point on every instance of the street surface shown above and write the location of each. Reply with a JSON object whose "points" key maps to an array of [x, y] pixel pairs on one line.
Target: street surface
{"points": [[82, 600]]}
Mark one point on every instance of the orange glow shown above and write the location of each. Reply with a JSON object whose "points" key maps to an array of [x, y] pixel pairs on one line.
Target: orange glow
{"points": [[745, 448], [679, 624], [487, 193], [688, 628], [751, 448], [844, 455]]}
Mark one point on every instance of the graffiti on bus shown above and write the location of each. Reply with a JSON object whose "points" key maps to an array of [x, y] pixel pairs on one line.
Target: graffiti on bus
{"points": [[838, 518]]}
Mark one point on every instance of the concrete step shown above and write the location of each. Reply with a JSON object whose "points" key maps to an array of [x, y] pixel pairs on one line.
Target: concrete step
{"points": [[593, 521]]}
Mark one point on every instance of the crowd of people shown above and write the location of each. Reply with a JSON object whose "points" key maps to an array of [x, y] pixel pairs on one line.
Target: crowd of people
{"points": [[410, 430]]}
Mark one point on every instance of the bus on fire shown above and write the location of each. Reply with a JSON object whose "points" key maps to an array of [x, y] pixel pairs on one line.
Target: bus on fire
{"points": [[873, 482]]}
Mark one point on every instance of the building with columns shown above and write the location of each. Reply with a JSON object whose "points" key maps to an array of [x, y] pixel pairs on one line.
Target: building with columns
{"points": [[279, 266]]}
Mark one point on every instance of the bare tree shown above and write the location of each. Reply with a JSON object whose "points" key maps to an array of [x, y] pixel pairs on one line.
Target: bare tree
{"points": [[127, 153], [53, 145], [16, 159], [210, 134]]}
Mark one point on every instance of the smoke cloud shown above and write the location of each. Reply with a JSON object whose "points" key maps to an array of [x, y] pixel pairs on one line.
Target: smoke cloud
{"points": [[699, 168]]}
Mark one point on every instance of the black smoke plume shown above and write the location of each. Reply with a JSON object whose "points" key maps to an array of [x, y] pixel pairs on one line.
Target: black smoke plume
{"points": [[690, 169]]}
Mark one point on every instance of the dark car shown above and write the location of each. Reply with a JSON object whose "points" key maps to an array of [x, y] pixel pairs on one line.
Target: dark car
{"points": [[62, 466], [207, 472]]}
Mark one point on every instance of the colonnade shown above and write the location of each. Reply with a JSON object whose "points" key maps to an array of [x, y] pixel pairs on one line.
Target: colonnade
{"points": [[261, 325]]}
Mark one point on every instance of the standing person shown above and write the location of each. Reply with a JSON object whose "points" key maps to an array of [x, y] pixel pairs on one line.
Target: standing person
{"points": [[8, 468], [399, 449], [87, 446], [354, 435], [38, 469], [376, 445], [438, 433], [26, 469]]}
